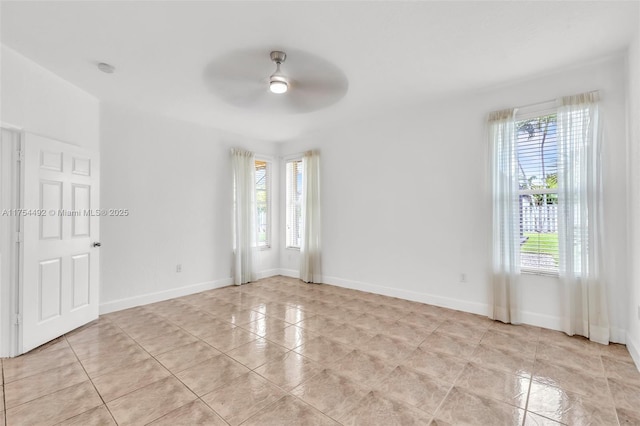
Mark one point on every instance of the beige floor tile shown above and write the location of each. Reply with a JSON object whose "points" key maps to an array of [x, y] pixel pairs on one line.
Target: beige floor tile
{"points": [[165, 342], [349, 334], [521, 331], [618, 368], [372, 323], [440, 365], [504, 360], [107, 362], [255, 353], [533, 419], [187, 356], [413, 388], [374, 409], [464, 330], [569, 408], [614, 350], [129, 378], [150, 402], [363, 367], [448, 344], [241, 317], [390, 349], [1, 398], [422, 319], [230, 339], [294, 315], [127, 316], [105, 345], [147, 330], [322, 350], [523, 345], [98, 416], [320, 324], [331, 393], [211, 374], [266, 325], [571, 357], [495, 384], [201, 324], [50, 381], [53, 345], [55, 407], [291, 337], [628, 417], [289, 411], [243, 397], [289, 370], [578, 343], [462, 407], [95, 332], [195, 413], [410, 333], [625, 395], [36, 363], [571, 379]]}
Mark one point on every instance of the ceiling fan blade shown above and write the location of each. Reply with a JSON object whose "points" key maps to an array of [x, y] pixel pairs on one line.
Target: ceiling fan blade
{"points": [[241, 78]]}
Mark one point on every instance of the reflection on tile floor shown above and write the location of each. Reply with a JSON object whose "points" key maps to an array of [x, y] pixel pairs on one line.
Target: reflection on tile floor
{"points": [[279, 351]]}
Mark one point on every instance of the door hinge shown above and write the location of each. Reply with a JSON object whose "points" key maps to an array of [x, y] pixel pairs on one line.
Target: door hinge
{"points": [[20, 156], [17, 319], [19, 237]]}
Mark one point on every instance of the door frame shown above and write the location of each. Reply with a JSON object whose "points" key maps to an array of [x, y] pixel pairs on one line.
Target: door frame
{"points": [[10, 198]]}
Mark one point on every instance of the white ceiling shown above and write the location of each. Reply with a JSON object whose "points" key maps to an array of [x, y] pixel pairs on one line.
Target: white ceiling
{"points": [[393, 53]]}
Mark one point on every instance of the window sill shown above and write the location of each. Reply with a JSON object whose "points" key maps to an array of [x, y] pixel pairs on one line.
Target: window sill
{"points": [[293, 248]]}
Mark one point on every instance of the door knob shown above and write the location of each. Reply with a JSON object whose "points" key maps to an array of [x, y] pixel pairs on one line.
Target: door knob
{"points": [[97, 244]]}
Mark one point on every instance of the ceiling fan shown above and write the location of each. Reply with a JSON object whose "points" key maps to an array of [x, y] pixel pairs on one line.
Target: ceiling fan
{"points": [[245, 79]]}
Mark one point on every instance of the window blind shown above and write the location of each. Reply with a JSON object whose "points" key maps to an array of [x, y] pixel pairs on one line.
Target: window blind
{"points": [[537, 157], [293, 202], [263, 203]]}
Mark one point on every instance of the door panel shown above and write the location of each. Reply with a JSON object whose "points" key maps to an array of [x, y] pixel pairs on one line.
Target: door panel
{"points": [[60, 265]]}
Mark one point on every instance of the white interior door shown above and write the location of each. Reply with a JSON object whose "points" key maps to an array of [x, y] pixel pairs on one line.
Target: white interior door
{"points": [[60, 224]]}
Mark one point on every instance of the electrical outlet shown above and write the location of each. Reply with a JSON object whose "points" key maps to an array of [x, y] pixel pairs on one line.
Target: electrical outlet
{"points": [[639, 312], [179, 267], [463, 277]]}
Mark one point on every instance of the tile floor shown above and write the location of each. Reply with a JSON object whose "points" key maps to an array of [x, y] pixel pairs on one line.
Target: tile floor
{"points": [[281, 352]]}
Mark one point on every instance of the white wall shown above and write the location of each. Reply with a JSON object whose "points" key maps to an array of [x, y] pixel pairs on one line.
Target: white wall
{"points": [[633, 75], [37, 101], [40, 102], [406, 200], [175, 179]]}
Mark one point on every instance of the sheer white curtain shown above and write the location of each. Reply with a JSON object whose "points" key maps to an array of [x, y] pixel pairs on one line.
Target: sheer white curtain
{"points": [[506, 217], [244, 213], [310, 247], [580, 218]]}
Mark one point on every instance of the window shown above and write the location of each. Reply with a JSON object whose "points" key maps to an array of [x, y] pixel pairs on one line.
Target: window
{"points": [[537, 156], [263, 204], [294, 170]]}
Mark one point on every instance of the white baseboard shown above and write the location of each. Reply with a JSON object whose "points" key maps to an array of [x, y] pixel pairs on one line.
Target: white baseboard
{"points": [[445, 302], [267, 273], [145, 299], [293, 273], [634, 349]]}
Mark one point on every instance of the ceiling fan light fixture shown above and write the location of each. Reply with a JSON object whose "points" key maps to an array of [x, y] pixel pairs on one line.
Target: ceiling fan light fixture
{"points": [[278, 83]]}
